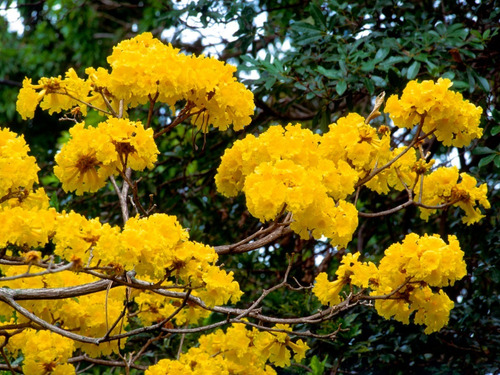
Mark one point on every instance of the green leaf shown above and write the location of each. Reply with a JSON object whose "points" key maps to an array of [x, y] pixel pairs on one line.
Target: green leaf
{"points": [[300, 86], [341, 87], [54, 201], [471, 80], [317, 15], [270, 83], [413, 70], [482, 151], [497, 161], [381, 54], [496, 114], [329, 73], [379, 81], [487, 160], [369, 85], [495, 130], [305, 27], [368, 66], [460, 85], [483, 83], [317, 367]]}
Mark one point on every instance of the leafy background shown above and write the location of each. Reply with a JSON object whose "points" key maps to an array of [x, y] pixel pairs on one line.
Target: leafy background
{"points": [[309, 62]]}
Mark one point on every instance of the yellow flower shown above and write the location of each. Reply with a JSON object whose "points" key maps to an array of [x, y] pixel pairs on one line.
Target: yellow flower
{"points": [[27, 100], [86, 161], [328, 292], [18, 171], [454, 121], [291, 168], [442, 186], [135, 146], [56, 94]]}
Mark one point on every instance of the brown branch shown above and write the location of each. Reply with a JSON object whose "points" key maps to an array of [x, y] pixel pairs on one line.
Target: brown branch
{"points": [[104, 362], [152, 101], [243, 246], [414, 141]]}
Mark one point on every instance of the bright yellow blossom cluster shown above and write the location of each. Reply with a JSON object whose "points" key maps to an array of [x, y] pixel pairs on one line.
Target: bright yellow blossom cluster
{"points": [[154, 308], [44, 352], [454, 121], [446, 185], [89, 315], [155, 247], [25, 217], [56, 94], [95, 153], [18, 171], [236, 351], [144, 69], [409, 273], [351, 140], [351, 271], [288, 168]]}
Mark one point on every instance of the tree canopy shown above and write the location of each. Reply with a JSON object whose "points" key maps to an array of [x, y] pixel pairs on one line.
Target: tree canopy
{"points": [[311, 63]]}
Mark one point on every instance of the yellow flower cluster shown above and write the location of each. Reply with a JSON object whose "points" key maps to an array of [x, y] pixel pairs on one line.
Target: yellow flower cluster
{"points": [[25, 217], [443, 186], [154, 247], [94, 154], [402, 171], [143, 66], [406, 273], [236, 351], [288, 168], [44, 352], [18, 171], [143, 69], [89, 315], [454, 120], [154, 308], [357, 143], [56, 94], [350, 271]]}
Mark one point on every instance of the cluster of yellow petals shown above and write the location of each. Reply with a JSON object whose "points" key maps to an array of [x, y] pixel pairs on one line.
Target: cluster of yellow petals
{"points": [[44, 352], [446, 185], [55, 94], [351, 271], [289, 168], [353, 141], [25, 217], [95, 153], [236, 351], [18, 171], [143, 66], [155, 308], [410, 272], [88, 315], [154, 247], [455, 121], [143, 69]]}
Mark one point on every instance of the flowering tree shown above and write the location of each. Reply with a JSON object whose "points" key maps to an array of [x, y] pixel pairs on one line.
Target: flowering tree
{"points": [[80, 290]]}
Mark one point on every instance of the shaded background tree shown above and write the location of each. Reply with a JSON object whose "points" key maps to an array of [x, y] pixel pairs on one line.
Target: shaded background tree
{"points": [[309, 62]]}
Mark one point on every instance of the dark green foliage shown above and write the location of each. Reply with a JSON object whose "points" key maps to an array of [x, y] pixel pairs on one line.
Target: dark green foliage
{"points": [[316, 61]]}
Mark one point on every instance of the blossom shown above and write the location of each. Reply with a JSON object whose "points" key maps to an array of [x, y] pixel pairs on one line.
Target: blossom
{"points": [[454, 121], [134, 145], [288, 168], [143, 67], [52, 351], [56, 94], [86, 161], [18, 170], [442, 186]]}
